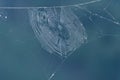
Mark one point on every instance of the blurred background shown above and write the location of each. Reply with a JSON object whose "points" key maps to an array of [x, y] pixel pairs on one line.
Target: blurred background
{"points": [[22, 58], [29, 3]]}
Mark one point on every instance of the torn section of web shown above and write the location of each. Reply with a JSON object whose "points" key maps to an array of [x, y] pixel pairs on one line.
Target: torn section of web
{"points": [[113, 19]]}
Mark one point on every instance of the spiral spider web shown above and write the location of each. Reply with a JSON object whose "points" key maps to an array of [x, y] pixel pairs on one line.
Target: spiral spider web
{"points": [[91, 14]]}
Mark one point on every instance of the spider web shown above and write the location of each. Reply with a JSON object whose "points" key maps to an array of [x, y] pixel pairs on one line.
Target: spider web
{"points": [[97, 15]]}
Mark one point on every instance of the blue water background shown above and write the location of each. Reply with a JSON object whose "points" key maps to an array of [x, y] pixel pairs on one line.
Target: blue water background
{"points": [[22, 58]]}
